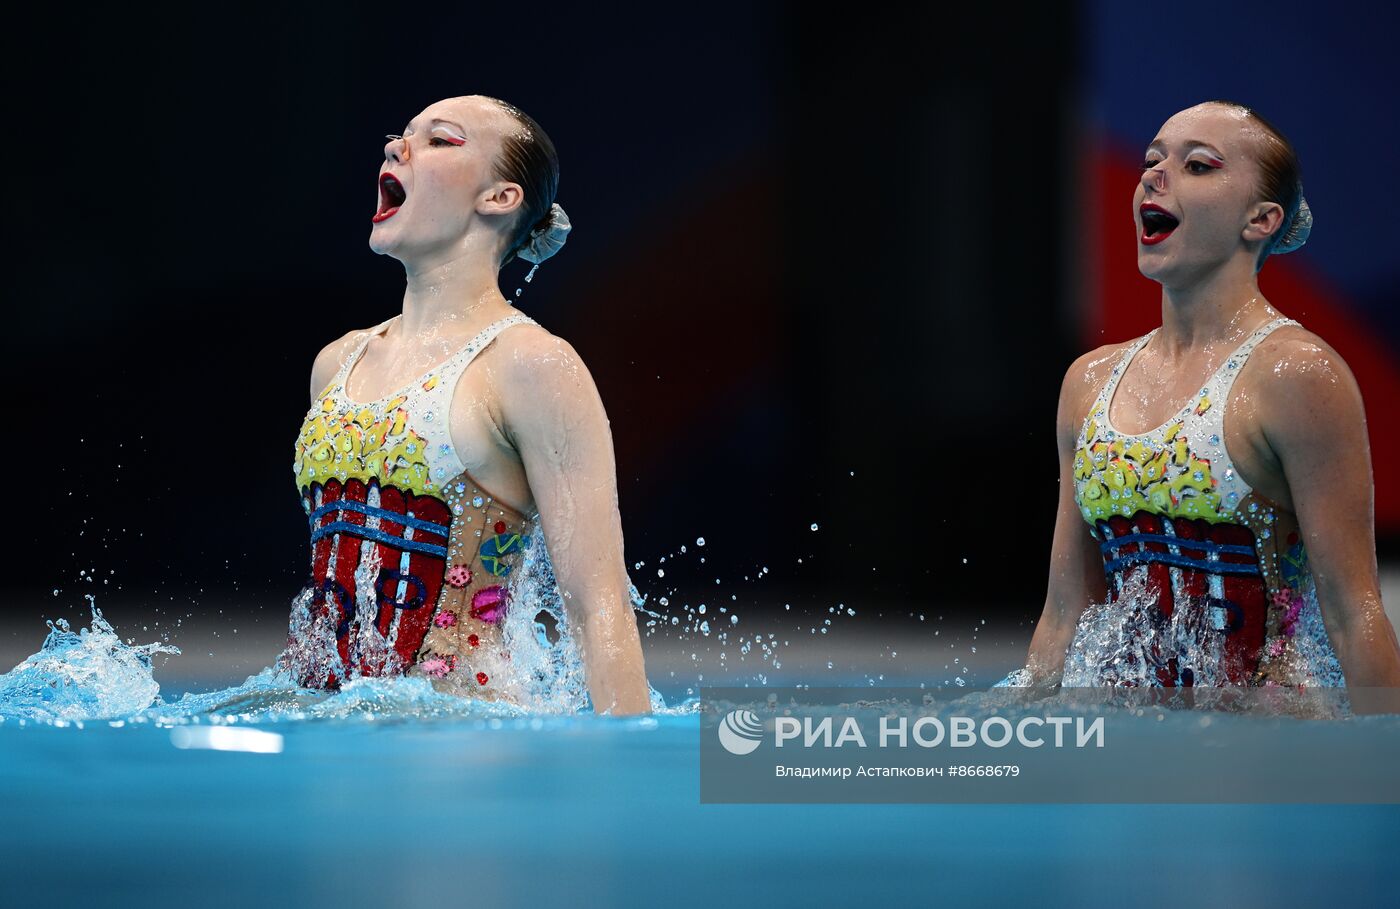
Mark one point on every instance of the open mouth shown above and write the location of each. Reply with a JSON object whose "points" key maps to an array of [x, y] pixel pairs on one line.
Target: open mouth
{"points": [[391, 196], [1157, 224]]}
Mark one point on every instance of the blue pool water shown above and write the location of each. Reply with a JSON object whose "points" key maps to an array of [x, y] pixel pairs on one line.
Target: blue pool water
{"points": [[590, 811], [388, 794]]}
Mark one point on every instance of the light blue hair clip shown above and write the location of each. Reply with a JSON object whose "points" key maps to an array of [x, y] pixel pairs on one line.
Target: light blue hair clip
{"points": [[1295, 233], [1298, 229], [547, 240]]}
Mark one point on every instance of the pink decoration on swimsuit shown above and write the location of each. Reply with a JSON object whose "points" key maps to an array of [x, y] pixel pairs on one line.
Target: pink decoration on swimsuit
{"points": [[437, 666], [473, 640], [489, 603], [481, 678], [459, 576], [445, 619], [1291, 600]]}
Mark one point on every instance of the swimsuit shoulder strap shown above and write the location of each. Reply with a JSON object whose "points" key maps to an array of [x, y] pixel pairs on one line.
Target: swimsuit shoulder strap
{"points": [[1116, 375], [359, 348], [1229, 368], [1206, 422], [462, 359], [1224, 376]]}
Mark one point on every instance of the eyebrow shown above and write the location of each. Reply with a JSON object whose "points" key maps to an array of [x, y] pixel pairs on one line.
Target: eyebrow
{"points": [[1189, 144], [439, 120]]}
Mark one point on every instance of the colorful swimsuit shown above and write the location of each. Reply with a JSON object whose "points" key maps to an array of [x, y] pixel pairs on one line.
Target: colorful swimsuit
{"points": [[1176, 524], [409, 555]]}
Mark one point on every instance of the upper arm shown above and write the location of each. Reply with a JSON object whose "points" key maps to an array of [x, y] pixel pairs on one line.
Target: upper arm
{"points": [[552, 413], [1076, 566], [1313, 419], [328, 362]]}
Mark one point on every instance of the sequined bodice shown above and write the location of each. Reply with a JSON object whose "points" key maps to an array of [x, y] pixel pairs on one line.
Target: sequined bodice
{"points": [[1181, 468], [409, 554], [1176, 523]]}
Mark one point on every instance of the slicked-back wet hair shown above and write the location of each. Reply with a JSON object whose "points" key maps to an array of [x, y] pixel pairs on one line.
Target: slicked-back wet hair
{"points": [[528, 158], [1280, 174]]}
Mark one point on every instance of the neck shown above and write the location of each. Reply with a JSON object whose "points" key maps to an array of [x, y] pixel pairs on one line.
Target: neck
{"points": [[441, 292], [1221, 309]]}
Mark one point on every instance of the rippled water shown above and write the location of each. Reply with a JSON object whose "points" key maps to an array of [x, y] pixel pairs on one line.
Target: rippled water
{"points": [[388, 792]]}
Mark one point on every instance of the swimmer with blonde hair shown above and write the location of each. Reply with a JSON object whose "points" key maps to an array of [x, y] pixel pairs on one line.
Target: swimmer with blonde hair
{"points": [[1245, 546], [446, 441]]}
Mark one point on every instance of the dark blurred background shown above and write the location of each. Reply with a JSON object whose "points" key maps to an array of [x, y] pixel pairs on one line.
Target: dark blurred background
{"points": [[826, 270]]}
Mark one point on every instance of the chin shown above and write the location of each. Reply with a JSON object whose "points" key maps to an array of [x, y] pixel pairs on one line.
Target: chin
{"points": [[381, 242], [1152, 267], [1160, 266]]}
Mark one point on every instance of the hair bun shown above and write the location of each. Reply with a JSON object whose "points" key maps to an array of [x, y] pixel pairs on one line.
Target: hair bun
{"points": [[1298, 229], [548, 236]]}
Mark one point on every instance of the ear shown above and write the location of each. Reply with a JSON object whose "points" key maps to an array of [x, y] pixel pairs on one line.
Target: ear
{"points": [[1265, 219], [500, 199]]}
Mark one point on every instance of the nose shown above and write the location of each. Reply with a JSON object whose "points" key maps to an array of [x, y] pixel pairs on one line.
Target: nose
{"points": [[396, 149], [1154, 178]]}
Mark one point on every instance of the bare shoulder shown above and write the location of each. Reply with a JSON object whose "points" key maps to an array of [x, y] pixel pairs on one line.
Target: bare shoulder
{"points": [[1085, 376], [329, 360], [529, 356], [1298, 375], [1294, 349], [541, 388]]}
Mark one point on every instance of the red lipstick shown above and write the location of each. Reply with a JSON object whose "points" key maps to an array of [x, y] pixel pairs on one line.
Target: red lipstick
{"points": [[1157, 223], [392, 195]]}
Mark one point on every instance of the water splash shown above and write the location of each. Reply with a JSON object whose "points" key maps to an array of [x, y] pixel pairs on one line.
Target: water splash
{"points": [[92, 674], [547, 673], [1312, 662], [1127, 642], [88, 674], [311, 651], [724, 646]]}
